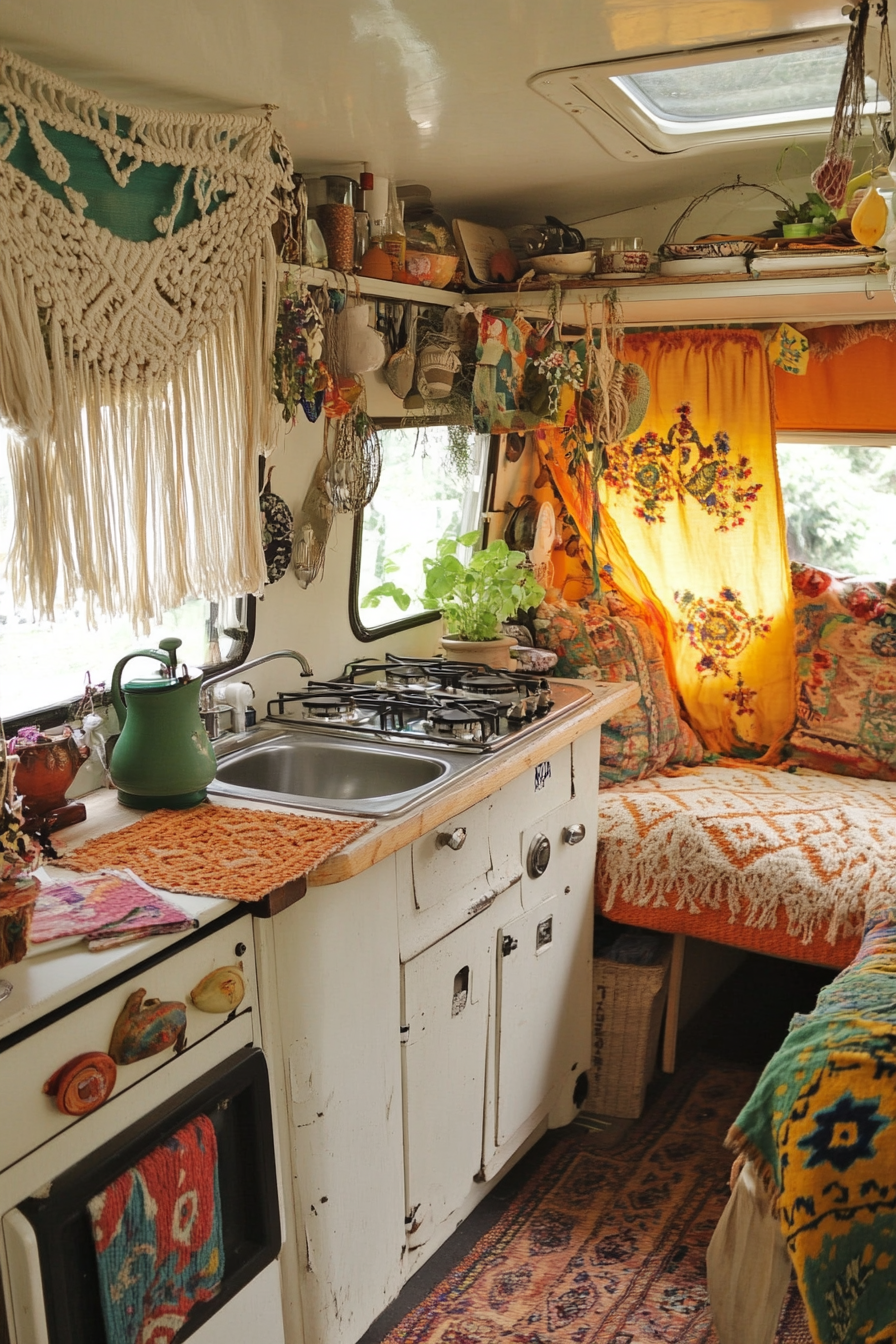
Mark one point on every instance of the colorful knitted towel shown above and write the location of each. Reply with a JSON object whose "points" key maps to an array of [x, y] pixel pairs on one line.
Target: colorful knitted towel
{"points": [[158, 1239], [821, 1129], [105, 908]]}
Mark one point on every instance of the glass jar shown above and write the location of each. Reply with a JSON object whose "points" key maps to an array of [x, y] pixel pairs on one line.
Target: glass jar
{"points": [[426, 229]]}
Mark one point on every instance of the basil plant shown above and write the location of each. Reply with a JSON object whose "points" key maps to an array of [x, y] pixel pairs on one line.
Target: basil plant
{"points": [[474, 598]]}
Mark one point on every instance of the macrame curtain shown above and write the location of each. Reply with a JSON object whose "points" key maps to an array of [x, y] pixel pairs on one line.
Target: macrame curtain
{"points": [[848, 386], [138, 298]]}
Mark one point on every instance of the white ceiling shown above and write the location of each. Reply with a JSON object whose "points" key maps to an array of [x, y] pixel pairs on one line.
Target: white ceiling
{"points": [[428, 92]]}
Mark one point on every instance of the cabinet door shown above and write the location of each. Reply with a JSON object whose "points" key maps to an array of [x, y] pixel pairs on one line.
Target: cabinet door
{"points": [[446, 1014], [543, 1023]]}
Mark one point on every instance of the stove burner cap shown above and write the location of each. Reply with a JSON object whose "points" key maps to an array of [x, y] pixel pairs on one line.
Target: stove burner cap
{"points": [[329, 706], [487, 683], [454, 716], [410, 677]]}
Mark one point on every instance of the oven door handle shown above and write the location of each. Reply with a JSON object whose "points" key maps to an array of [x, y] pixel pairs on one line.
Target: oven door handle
{"points": [[26, 1284]]}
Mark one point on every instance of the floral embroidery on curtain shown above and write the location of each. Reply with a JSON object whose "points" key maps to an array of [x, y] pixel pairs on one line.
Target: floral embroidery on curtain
{"points": [[661, 468]]}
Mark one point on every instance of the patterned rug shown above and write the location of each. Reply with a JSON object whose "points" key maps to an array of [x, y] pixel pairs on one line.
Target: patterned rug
{"points": [[606, 1245]]}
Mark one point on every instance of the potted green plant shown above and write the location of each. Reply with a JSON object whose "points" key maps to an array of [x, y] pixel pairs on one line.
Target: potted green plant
{"points": [[475, 597], [811, 216]]}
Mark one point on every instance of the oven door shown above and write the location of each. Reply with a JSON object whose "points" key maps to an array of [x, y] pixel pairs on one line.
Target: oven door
{"points": [[51, 1263]]}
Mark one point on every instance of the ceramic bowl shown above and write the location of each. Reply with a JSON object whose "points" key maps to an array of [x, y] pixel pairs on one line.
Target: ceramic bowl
{"points": [[434, 269], [732, 247], [562, 263]]}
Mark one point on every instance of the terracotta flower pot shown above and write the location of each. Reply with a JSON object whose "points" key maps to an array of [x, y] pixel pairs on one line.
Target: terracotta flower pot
{"points": [[492, 652]]}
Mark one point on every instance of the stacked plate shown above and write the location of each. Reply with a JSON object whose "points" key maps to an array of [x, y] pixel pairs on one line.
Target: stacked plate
{"points": [[704, 266]]}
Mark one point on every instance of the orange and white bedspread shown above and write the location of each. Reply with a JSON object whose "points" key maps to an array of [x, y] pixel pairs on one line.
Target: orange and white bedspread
{"points": [[779, 862]]}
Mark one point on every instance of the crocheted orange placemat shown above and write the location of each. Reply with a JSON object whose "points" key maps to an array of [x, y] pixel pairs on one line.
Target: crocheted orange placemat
{"points": [[218, 851]]}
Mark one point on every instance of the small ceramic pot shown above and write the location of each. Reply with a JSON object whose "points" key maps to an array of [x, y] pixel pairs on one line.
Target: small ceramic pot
{"points": [[624, 263], [796, 230], [491, 652], [45, 771]]}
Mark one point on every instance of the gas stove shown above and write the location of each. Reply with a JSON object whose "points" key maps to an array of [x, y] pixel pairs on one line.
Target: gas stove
{"points": [[462, 706]]}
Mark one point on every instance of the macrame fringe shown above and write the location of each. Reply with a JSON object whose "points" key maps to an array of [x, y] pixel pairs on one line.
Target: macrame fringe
{"points": [[752, 898], [140, 493]]}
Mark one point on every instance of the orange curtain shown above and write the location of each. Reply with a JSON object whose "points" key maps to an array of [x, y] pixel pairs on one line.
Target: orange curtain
{"points": [[693, 501], [848, 386]]}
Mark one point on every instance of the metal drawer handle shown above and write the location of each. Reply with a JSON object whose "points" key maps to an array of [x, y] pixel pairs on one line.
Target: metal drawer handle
{"points": [[572, 835], [454, 840]]}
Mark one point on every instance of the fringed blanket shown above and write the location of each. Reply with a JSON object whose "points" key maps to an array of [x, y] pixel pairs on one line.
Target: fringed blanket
{"points": [[749, 841], [821, 1130], [158, 1238]]}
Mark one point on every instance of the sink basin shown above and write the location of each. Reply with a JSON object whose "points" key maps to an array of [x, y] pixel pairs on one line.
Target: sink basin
{"points": [[366, 778]]}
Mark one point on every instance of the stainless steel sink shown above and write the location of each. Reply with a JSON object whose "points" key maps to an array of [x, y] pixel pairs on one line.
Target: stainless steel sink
{"points": [[366, 778]]}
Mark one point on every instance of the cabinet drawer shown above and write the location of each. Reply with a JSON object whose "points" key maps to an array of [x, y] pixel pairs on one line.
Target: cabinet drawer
{"points": [[450, 861], [35, 1118]]}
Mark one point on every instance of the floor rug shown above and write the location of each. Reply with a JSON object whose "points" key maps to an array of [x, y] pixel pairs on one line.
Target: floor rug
{"points": [[606, 1244]]}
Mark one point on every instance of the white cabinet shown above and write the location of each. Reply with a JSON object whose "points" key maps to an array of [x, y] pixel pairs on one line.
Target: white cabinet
{"points": [[446, 1019], [414, 1059], [497, 1009]]}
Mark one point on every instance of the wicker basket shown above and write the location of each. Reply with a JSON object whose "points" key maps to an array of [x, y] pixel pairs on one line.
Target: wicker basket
{"points": [[627, 1006]]}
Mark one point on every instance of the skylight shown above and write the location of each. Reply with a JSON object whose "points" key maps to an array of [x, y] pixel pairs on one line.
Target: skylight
{"points": [[756, 91], [784, 86]]}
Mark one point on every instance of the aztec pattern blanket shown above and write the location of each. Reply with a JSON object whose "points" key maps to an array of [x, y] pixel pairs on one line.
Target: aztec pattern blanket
{"points": [[821, 1130], [158, 1238]]}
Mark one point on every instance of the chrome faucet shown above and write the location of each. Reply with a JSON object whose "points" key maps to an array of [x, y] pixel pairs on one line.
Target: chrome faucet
{"points": [[210, 712]]}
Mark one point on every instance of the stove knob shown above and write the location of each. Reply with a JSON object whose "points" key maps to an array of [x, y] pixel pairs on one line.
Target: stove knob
{"points": [[452, 839], [572, 835], [539, 856]]}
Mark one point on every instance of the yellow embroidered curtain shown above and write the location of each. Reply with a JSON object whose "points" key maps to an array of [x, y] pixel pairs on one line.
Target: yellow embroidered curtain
{"points": [[696, 502], [693, 502]]}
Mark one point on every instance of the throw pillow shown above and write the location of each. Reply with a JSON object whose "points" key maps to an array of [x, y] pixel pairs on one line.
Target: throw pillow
{"points": [[591, 641], [846, 674]]}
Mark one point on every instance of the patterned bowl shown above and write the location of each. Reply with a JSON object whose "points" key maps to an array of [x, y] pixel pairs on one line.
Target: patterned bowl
{"points": [[724, 247]]}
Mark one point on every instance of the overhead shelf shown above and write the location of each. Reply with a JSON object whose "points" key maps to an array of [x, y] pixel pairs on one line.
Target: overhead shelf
{"points": [[841, 298], [809, 298]]}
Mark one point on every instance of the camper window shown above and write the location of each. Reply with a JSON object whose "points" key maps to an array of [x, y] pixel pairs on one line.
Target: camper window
{"points": [[431, 487], [44, 664], [840, 505]]}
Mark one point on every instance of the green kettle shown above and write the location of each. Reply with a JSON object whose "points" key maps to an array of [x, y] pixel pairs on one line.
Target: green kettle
{"points": [[163, 757]]}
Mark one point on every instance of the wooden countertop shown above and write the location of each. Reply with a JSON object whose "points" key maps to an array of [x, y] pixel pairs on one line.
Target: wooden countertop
{"points": [[105, 813]]}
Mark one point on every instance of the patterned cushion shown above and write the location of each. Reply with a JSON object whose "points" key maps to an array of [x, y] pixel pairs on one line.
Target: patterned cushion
{"points": [[846, 674], [591, 641]]}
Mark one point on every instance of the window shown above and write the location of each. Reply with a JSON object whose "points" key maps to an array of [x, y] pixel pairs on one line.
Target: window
{"points": [[431, 487], [840, 505], [678, 100], [44, 664]]}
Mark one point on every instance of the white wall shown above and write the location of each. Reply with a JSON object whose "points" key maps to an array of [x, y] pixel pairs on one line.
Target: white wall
{"points": [[315, 620], [744, 211]]}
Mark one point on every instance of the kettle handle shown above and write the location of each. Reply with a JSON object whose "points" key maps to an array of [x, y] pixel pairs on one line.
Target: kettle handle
{"points": [[168, 658]]}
